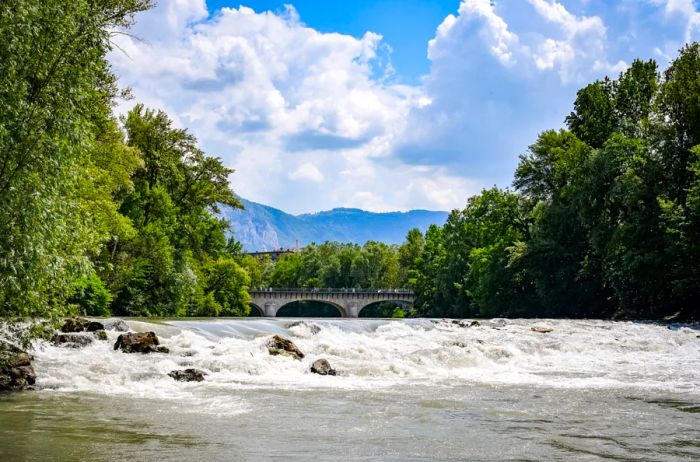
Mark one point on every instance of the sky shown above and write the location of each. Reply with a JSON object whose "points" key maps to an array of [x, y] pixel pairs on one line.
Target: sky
{"points": [[386, 104]]}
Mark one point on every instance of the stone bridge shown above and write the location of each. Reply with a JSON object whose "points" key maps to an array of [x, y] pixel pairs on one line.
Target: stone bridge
{"points": [[349, 302]]}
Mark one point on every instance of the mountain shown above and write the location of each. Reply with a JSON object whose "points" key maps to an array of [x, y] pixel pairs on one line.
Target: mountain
{"points": [[260, 227]]}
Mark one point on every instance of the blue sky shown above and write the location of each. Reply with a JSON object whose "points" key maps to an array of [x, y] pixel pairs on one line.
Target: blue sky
{"points": [[382, 105], [406, 25]]}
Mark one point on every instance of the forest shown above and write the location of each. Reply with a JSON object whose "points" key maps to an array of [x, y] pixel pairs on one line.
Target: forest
{"points": [[105, 214], [603, 220]]}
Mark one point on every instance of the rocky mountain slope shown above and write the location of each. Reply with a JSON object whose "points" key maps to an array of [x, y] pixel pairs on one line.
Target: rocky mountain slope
{"points": [[260, 227]]}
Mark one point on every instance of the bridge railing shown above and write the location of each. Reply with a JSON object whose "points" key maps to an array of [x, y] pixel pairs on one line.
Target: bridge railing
{"points": [[331, 291]]}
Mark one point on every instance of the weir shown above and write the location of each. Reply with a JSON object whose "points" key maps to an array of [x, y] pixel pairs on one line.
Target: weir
{"points": [[349, 302]]}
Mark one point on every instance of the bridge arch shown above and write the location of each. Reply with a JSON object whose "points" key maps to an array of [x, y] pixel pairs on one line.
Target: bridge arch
{"points": [[314, 308], [256, 311], [376, 310]]}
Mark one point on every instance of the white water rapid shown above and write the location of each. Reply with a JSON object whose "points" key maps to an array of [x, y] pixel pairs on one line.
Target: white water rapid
{"points": [[406, 390], [370, 354]]}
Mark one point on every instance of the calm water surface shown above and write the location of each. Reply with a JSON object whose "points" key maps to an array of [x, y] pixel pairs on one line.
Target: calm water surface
{"points": [[407, 390]]}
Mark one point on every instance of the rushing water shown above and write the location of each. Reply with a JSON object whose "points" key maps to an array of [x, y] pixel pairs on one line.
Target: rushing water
{"points": [[406, 390]]}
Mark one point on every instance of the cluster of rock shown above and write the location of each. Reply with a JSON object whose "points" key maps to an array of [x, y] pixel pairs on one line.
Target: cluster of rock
{"points": [[140, 342], [278, 345], [188, 375], [79, 332], [16, 371]]}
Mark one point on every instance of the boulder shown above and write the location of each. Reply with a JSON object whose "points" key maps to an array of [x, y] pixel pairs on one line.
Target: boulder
{"points": [[100, 335], [188, 375], [541, 329], [115, 324], [322, 367], [137, 342], [94, 326], [281, 346], [16, 371], [474, 324], [162, 349], [72, 340], [74, 325]]}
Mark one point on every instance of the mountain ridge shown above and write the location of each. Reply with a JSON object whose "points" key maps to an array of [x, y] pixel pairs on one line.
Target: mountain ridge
{"points": [[261, 227]]}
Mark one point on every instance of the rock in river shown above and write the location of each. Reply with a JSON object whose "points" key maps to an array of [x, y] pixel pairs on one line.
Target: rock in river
{"points": [[74, 325], [94, 326], [541, 329], [188, 375], [16, 371], [281, 346], [322, 367], [101, 335], [115, 324], [139, 342], [72, 340]]}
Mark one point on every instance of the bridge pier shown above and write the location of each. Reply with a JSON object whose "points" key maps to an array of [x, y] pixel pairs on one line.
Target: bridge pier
{"points": [[270, 309], [352, 309]]}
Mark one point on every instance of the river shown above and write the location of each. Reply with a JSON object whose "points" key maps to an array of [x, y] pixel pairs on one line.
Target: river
{"points": [[406, 390]]}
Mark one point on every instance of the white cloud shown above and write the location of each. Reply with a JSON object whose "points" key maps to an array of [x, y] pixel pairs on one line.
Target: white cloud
{"points": [[553, 51], [493, 31], [499, 75], [288, 107], [307, 172], [583, 41], [313, 120], [687, 10]]}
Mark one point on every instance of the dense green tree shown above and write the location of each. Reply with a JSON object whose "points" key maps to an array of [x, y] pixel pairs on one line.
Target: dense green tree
{"points": [[431, 285], [494, 222], [409, 252], [287, 272], [178, 261], [55, 89], [377, 265], [593, 119], [259, 269], [227, 283], [556, 256]]}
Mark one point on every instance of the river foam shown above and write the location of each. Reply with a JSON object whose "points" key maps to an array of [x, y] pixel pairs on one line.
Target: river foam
{"points": [[379, 354]]}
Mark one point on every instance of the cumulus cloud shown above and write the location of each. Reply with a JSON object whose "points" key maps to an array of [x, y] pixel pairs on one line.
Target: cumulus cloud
{"points": [[502, 73], [285, 105], [688, 10], [314, 120], [307, 172]]}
